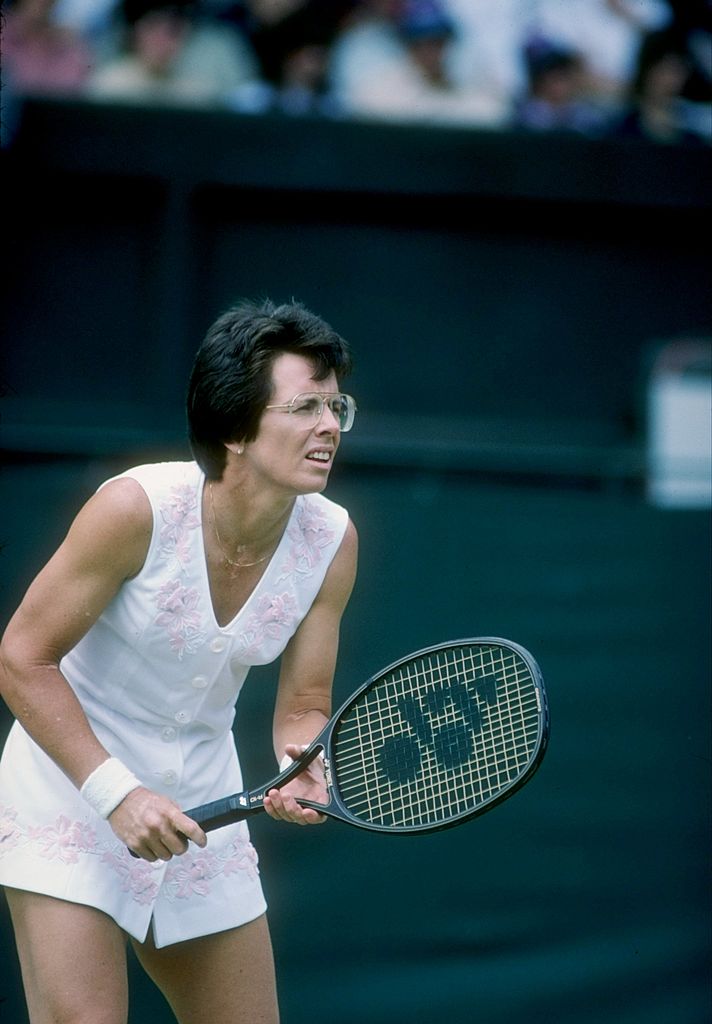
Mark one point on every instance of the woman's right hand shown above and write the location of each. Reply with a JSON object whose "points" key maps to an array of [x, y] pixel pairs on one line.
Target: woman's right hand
{"points": [[153, 826]]}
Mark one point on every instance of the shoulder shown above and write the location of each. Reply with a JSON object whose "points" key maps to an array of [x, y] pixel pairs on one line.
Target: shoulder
{"points": [[117, 521], [161, 482], [114, 526]]}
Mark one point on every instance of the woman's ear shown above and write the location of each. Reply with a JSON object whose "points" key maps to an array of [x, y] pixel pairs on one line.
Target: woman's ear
{"points": [[236, 447]]}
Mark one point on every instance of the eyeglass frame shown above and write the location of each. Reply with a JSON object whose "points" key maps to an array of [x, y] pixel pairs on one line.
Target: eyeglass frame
{"points": [[324, 397]]}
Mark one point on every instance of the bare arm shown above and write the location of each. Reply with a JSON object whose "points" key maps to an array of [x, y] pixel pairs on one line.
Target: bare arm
{"points": [[304, 696], [105, 546]]}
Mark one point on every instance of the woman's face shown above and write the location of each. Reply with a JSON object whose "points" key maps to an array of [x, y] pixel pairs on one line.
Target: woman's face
{"points": [[288, 453]]}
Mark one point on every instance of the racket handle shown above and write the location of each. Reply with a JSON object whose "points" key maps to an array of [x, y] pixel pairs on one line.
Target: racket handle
{"points": [[223, 812], [220, 812]]}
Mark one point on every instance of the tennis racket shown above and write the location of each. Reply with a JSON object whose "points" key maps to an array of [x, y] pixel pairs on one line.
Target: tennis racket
{"points": [[436, 738]]}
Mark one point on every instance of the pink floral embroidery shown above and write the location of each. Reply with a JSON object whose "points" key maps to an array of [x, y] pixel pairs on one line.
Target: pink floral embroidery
{"points": [[179, 606], [135, 875], [179, 514], [68, 841], [64, 840], [192, 874], [9, 829], [275, 614], [309, 536], [179, 615]]}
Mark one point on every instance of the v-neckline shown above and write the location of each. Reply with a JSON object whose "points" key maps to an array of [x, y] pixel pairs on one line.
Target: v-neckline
{"points": [[206, 571]]}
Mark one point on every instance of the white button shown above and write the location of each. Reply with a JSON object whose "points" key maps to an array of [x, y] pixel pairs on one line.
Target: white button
{"points": [[168, 734], [182, 717], [200, 682], [170, 778], [218, 644]]}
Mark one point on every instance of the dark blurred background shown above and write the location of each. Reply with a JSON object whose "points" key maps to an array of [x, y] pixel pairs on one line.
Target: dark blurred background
{"points": [[527, 294]]}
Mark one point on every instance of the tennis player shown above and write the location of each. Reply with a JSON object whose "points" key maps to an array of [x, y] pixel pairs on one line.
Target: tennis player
{"points": [[122, 667]]}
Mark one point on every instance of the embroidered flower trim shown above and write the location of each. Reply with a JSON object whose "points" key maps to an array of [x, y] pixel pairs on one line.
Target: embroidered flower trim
{"points": [[180, 515], [179, 612], [68, 841], [309, 535], [179, 615], [275, 613], [192, 874]]}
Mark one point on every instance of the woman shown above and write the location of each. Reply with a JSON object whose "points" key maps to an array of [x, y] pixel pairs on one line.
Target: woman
{"points": [[122, 667]]}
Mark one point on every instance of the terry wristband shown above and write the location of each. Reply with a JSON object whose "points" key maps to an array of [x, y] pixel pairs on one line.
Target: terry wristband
{"points": [[107, 786]]}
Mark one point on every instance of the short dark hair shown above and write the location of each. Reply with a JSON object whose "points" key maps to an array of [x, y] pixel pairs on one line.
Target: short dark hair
{"points": [[231, 380]]}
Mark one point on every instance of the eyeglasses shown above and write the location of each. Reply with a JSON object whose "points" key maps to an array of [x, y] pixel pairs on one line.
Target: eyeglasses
{"points": [[309, 408]]}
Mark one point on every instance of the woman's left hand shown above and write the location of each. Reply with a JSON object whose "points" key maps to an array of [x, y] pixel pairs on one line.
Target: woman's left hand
{"points": [[282, 804]]}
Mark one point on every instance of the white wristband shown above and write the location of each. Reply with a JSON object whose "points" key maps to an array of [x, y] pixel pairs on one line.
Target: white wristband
{"points": [[107, 786]]}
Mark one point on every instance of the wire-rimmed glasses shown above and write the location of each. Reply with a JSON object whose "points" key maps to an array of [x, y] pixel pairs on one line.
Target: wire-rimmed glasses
{"points": [[308, 408]]}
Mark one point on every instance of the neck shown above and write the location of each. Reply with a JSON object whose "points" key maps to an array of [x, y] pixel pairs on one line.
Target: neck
{"points": [[247, 525]]}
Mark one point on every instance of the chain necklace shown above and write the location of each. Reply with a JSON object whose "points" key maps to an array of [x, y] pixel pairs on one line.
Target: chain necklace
{"points": [[228, 560]]}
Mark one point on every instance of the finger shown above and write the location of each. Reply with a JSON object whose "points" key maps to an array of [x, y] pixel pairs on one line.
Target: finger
{"points": [[274, 805], [295, 750], [312, 817], [151, 850], [281, 806], [175, 842], [284, 807], [190, 829], [143, 853], [162, 850]]}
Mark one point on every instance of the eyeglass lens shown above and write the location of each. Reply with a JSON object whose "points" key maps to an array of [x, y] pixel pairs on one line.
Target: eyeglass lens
{"points": [[312, 405]]}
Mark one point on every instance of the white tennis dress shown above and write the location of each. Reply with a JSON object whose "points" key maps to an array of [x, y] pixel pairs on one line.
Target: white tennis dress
{"points": [[158, 679]]}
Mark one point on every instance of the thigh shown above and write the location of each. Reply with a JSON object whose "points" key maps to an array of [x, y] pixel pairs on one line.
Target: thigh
{"points": [[73, 960], [225, 978]]}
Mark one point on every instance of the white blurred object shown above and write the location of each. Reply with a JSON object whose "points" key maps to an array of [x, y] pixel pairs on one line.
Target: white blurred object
{"points": [[679, 426]]}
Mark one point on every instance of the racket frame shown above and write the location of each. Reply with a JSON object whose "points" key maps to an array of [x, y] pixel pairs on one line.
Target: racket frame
{"points": [[239, 806]]}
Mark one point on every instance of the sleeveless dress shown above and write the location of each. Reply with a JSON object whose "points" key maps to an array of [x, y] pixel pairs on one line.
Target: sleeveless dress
{"points": [[158, 679]]}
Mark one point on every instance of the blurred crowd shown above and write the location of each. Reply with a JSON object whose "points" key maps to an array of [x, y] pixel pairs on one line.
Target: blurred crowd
{"points": [[600, 68]]}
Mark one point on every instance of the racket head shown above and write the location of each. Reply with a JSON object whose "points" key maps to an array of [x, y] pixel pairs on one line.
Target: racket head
{"points": [[438, 737]]}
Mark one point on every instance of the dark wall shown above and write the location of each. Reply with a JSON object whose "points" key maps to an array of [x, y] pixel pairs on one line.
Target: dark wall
{"points": [[501, 293], [480, 276]]}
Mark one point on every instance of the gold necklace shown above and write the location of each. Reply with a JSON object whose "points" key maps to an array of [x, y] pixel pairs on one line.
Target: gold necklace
{"points": [[228, 560]]}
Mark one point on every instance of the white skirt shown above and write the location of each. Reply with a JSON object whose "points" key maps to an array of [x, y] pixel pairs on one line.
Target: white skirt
{"points": [[52, 842]]}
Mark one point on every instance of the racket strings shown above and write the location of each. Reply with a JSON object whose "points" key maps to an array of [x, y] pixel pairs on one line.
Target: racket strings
{"points": [[438, 737]]}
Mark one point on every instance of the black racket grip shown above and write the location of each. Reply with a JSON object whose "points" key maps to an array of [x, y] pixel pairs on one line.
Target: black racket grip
{"points": [[223, 812], [220, 812]]}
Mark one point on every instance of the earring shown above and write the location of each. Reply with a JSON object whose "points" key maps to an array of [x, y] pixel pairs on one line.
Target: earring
{"points": [[241, 449]]}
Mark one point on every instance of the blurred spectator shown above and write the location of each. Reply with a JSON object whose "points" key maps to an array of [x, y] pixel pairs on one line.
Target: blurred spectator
{"points": [[292, 41], [607, 35], [692, 20], [38, 56], [172, 57], [92, 19], [658, 110], [557, 95], [407, 75], [368, 42]]}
